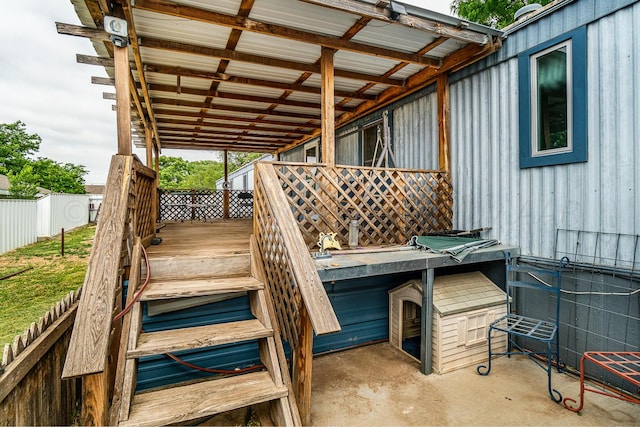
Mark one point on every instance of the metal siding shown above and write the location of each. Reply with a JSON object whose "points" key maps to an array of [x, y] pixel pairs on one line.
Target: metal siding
{"points": [[347, 147], [415, 133], [68, 211], [525, 207], [18, 224]]}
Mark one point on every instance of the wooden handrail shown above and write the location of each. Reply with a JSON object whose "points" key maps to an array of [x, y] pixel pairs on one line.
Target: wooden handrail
{"points": [[127, 211], [314, 296], [90, 337]]}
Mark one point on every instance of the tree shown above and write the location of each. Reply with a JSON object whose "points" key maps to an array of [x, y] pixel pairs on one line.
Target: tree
{"points": [[15, 145], [24, 184], [494, 13], [173, 171], [204, 174], [60, 178], [236, 160], [26, 174]]}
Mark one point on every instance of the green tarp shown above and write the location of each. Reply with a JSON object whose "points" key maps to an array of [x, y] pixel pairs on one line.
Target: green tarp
{"points": [[457, 247]]}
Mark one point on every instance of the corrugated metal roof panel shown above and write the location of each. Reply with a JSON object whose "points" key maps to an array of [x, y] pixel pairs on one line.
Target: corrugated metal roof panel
{"points": [[245, 69], [306, 16], [393, 36], [250, 90], [276, 47], [362, 63], [172, 28], [178, 59]]}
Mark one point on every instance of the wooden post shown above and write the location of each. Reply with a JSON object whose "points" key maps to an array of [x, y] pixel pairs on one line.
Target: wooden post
{"points": [[302, 367], [426, 330], [123, 99], [156, 193], [442, 82], [148, 143], [95, 400], [225, 192], [328, 107]]}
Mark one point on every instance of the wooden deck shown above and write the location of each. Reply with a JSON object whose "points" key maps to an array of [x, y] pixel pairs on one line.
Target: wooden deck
{"points": [[203, 239]]}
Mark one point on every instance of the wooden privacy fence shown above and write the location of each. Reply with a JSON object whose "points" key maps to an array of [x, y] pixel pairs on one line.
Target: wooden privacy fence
{"points": [[300, 301], [128, 211], [392, 205], [203, 205], [32, 391]]}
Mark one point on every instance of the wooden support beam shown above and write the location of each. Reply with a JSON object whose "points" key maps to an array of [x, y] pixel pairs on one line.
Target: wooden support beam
{"points": [[79, 31], [214, 106], [328, 108], [95, 60], [247, 24], [108, 95], [103, 81], [219, 140], [442, 82], [176, 131], [268, 129], [219, 147], [238, 96], [229, 54], [227, 78], [95, 400], [258, 120], [384, 14], [303, 366], [123, 98], [148, 143], [225, 204]]}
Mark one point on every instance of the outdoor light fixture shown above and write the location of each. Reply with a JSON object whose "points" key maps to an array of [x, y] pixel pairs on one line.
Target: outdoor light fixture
{"points": [[396, 9], [118, 29]]}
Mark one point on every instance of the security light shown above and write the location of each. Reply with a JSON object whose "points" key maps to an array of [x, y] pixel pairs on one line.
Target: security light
{"points": [[397, 9], [117, 27]]}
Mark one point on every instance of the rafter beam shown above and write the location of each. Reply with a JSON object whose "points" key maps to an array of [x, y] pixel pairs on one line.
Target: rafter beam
{"points": [[221, 146], [216, 135], [229, 54], [166, 112], [226, 78], [274, 130], [247, 24], [240, 97], [224, 135], [249, 110], [383, 14]]}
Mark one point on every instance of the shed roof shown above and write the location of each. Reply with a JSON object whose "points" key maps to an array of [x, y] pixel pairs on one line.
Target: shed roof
{"points": [[244, 75]]}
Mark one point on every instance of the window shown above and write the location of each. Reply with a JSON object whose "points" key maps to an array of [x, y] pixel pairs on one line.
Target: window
{"points": [[472, 329], [369, 142], [553, 111]]}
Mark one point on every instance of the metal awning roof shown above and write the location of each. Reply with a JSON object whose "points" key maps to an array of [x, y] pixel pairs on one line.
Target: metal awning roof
{"points": [[244, 75]]}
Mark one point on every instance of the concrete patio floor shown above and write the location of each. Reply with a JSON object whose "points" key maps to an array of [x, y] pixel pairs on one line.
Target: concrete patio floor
{"points": [[378, 385]]}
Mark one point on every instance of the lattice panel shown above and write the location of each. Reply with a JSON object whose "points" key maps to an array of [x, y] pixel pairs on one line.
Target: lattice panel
{"points": [[391, 204], [240, 204], [142, 189], [280, 279], [190, 205]]}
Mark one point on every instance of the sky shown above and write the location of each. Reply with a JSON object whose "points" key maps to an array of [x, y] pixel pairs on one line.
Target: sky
{"points": [[42, 85]]}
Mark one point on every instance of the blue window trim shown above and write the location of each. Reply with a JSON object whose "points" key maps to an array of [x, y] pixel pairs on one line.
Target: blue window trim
{"points": [[578, 39]]}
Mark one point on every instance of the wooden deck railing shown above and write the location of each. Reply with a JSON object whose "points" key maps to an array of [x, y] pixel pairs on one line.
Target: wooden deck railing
{"points": [[204, 205], [32, 391], [127, 211], [392, 205], [300, 301]]}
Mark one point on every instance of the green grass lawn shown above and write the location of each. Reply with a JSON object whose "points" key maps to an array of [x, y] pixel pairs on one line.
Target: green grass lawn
{"points": [[27, 296]]}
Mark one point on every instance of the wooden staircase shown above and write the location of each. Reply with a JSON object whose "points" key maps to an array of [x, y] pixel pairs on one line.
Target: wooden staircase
{"points": [[187, 277]]}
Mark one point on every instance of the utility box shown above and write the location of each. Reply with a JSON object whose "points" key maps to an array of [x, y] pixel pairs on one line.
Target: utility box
{"points": [[463, 306]]}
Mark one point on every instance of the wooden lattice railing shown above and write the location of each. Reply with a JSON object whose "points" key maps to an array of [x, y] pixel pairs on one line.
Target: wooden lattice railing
{"points": [[128, 210], [391, 204], [291, 273], [203, 205]]}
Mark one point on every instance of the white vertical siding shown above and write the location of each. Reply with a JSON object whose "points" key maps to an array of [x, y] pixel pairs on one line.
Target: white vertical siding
{"points": [[415, 133], [18, 223], [526, 206], [58, 211]]}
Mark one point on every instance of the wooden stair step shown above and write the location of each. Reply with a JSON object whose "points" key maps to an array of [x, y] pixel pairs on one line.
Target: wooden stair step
{"points": [[184, 403], [198, 337], [183, 288]]}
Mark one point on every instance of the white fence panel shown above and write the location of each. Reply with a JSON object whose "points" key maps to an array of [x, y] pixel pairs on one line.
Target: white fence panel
{"points": [[58, 211], [18, 223]]}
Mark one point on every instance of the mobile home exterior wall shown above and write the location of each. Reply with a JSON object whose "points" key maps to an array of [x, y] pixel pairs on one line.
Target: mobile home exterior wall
{"points": [[526, 206]]}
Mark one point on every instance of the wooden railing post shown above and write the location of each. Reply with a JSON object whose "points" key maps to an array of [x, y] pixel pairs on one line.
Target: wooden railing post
{"points": [[302, 367], [95, 400]]}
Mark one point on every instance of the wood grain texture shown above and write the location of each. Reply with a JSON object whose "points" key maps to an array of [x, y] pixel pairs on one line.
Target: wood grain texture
{"points": [[90, 337], [173, 340], [123, 99], [328, 107], [181, 288], [202, 399]]}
